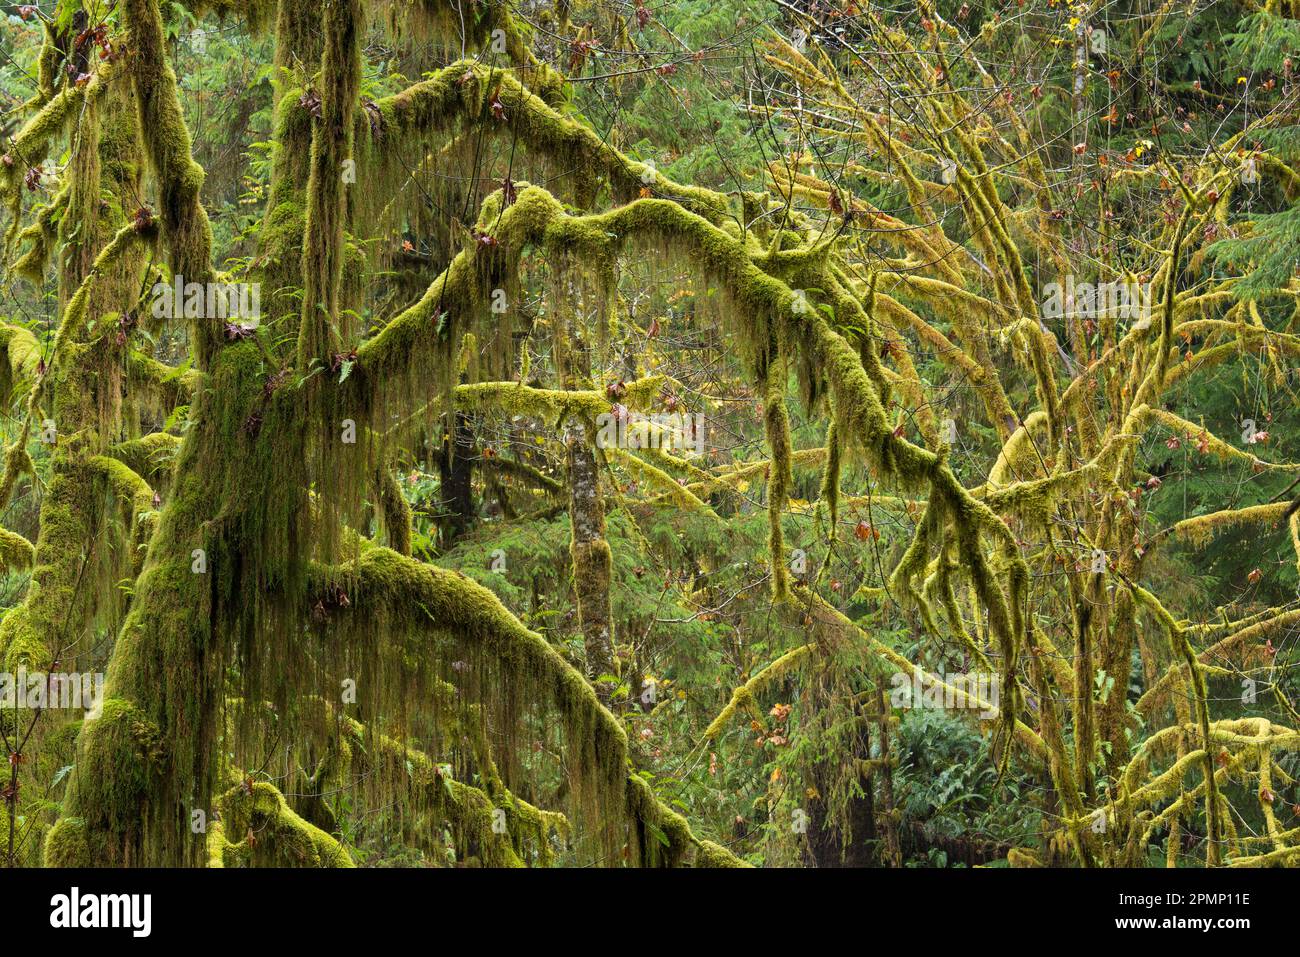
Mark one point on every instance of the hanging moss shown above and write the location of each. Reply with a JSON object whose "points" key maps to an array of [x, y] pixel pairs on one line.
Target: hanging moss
{"points": [[61, 586], [119, 765], [397, 595], [21, 354], [395, 511], [177, 610], [461, 91], [164, 387], [32, 141], [470, 812], [185, 226], [262, 487], [777, 422], [320, 334], [40, 237]]}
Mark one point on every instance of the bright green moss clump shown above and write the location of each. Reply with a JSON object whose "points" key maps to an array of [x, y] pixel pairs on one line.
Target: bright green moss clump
{"points": [[269, 833]]}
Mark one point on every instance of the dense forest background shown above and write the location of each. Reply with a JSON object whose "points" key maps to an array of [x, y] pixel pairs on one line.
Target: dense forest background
{"points": [[656, 433]]}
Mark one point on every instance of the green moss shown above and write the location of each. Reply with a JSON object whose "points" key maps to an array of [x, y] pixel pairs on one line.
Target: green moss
{"points": [[68, 844], [459, 93], [270, 833], [168, 663], [32, 141], [185, 226], [395, 511], [163, 385], [320, 334], [119, 765], [256, 14], [28, 634], [394, 596], [152, 457], [681, 495], [660, 837], [17, 462], [22, 352], [41, 237], [830, 488], [16, 552], [554, 405], [711, 855], [776, 419], [742, 698], [469, 812]]}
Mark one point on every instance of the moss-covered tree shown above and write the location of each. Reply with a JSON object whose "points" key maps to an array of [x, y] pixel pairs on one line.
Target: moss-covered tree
{"points": [[226, 536]]}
